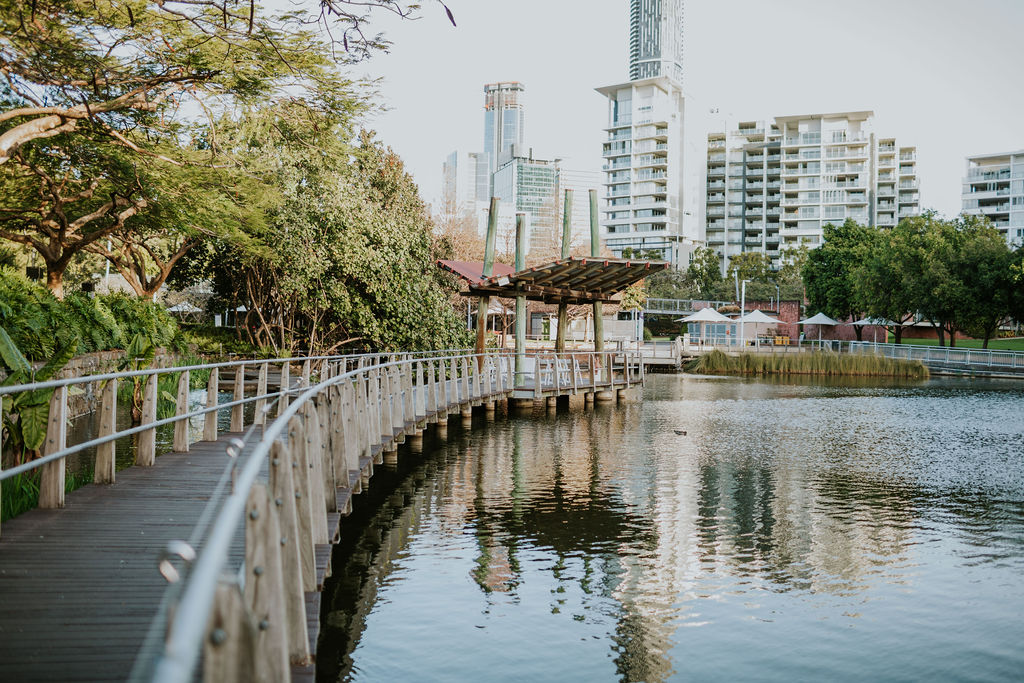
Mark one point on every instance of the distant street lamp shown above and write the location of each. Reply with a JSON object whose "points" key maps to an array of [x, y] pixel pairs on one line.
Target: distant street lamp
{"points": [[743, 312]]}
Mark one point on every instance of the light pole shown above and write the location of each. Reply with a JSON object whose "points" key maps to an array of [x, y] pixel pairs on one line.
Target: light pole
{"points": [[743, 312]]}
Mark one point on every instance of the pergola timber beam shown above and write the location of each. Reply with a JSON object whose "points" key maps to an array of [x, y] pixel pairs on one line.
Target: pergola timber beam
{"points": [[540, 293]]}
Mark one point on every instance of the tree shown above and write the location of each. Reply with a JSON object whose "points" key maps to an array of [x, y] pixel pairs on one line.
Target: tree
{"points": [[59, 200], [705, 270], [750, 265], [346, 254], [117, 66], [97, 95], [887, 280], [984, 264], [829, 273]]}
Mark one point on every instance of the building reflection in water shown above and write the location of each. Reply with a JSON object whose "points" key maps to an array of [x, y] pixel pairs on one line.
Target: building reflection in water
{"points": [[633, 527]]}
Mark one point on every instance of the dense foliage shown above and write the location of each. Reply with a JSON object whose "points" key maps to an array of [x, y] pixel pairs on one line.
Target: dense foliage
{"points": [[958, 274], [145, 132], [39, 324], [703, 278]]}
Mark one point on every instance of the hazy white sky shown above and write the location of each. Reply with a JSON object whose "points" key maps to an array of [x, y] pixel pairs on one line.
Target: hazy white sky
{"points": [[945, 75]]}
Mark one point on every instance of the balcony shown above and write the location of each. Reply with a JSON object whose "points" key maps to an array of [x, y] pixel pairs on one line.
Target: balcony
{"points": [[908, 184], [909, 198], [716, 144], [976, 174], [804, 139], [716, 157], [717, 171], [716, 211], [620, 135], [908, 156], [752, 242], [994, 208], [716, 199], [907, 170]]}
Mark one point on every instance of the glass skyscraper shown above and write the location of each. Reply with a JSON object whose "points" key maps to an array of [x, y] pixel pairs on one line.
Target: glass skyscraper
{"points": [[656, 39], [504, 121]]}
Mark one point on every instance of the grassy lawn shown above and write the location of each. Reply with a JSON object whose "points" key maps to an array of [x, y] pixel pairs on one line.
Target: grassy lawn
{"points": [[1007, 344]]}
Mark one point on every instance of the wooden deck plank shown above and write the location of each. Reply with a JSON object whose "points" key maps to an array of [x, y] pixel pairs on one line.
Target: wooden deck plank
{"points": [[79, 587]]}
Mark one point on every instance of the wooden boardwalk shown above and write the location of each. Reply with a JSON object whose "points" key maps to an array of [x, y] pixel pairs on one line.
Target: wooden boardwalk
{"points": [[80, 589]]}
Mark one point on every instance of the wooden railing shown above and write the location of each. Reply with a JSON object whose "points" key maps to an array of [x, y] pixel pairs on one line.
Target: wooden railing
{"points": [[55, 449], [287, 473], [255, 621]]}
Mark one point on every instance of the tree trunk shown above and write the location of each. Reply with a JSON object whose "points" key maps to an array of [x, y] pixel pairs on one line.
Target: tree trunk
{"points": [[858, 331], [898, 334], [55, 279], [942, 335]]}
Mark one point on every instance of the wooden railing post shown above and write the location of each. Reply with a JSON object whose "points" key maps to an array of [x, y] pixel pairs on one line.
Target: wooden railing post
{"points": [[229, 649], [464, 393], [325, 431], [314, 458], [284, 386], [397, 400], [105, 465], [181, 408], [430, 391], [411, 400], [305, 372], [283, 491], [210, 419], [145, 454], [264, 585], [259, 417], [51, 476], [237, 421], [303, 510]]}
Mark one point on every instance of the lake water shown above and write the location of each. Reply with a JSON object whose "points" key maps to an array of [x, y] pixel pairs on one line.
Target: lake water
{"points": [[798, 531]]}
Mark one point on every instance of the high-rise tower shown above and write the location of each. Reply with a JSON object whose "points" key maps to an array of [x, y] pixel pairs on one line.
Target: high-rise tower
{"points": [[644, 208], [656, 39], [504, 121]]}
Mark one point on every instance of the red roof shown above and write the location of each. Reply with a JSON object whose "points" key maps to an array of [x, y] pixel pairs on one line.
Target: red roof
{"points": [[473, 271]]}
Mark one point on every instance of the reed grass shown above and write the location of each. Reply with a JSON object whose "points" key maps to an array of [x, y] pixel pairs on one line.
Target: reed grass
{"points": [[823, 363]]}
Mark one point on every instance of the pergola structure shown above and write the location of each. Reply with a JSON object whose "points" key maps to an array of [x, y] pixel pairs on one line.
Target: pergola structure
{"points": [[574, 280]]}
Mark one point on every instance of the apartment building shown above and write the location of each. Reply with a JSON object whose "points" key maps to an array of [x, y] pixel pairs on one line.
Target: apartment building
{"points": [[643, 159], [994, 187], [773, 185]]}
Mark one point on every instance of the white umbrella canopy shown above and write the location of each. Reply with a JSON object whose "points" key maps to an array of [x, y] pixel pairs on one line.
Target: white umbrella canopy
{"points": [[184, 307], [705, 315], [756, 316], [819, 319]]}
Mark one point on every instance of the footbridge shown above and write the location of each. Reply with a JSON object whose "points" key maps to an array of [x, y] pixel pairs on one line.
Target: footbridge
{"points": [[207, 561]]}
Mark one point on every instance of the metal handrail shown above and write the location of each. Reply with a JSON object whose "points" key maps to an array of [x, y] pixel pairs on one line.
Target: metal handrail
{"points": [[85, 379], [185, 631], [148, 372], [945, 354]]}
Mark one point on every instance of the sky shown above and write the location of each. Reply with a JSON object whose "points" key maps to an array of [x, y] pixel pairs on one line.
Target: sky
{"points": [[944, 75]]}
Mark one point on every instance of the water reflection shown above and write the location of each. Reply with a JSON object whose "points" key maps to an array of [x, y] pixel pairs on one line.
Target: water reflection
{"points": [[796, 526]]}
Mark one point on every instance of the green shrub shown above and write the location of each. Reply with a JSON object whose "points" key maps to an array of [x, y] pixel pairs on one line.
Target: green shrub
{"points": [[38, 323]]}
